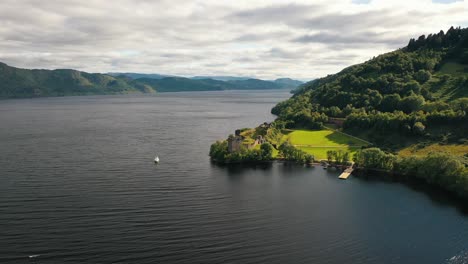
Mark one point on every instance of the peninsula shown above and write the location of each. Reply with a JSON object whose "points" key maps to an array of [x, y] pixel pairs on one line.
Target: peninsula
{"points": [[403, 112]]}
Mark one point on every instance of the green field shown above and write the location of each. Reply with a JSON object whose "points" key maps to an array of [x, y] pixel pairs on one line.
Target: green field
{"points": [[318, 142]]}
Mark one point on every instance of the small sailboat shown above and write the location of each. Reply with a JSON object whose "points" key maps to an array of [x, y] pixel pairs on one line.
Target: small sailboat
{"points": [[156, 159]]}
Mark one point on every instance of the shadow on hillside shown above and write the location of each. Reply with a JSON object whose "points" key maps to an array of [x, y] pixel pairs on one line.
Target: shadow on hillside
{"points": [[343, 139]]}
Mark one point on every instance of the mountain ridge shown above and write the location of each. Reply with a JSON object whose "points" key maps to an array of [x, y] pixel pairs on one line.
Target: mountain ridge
{"points": [[20, 83]]}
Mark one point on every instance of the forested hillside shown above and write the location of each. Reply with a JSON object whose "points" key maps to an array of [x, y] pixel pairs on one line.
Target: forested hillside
{"points": [[419, 92], [17, 83], [411, 104]]}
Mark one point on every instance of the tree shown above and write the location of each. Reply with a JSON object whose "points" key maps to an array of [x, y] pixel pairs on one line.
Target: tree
{"points": [[330, 154], [390, 102], [374, 158], [346, 158], [309, 158], [266, 151], [411, 103], [338, 155], [422, 76], [219, 150], [418, 128], [412, 87]]}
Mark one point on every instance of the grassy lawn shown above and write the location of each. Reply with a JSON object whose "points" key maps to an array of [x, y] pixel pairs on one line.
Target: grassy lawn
{"points": [[322, 138], [318, 142]]}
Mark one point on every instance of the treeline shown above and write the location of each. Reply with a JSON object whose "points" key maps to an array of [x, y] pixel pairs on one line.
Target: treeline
{"points": [[454, 38], [339, 157], [444, 170], [291, 153], [407, 124], [219, 153]]}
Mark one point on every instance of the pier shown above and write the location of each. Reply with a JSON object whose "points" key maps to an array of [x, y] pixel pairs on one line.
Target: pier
{"points": [[346, 172]]}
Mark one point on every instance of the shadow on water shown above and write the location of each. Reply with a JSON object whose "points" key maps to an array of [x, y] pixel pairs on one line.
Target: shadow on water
{"points": [[437, 196], [289, 169], [238, 169]]}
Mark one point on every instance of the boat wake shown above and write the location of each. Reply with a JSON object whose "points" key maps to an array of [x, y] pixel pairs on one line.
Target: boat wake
{"points": [[461, 258]]}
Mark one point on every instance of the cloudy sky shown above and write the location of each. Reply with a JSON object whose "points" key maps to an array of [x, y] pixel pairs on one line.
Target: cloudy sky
{"points": [[265, 39]]}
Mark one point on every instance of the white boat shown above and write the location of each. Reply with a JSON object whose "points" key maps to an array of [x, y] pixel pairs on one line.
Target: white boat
{"points": [[156, 159]]}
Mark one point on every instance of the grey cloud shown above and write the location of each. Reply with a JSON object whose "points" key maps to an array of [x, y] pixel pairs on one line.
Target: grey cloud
{"points": [[194, 38], [274, 14], [284, 54], [350, 38], [254, 37]]}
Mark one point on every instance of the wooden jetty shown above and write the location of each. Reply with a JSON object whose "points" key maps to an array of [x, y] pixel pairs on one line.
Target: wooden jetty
{"points": [[346, 173]]}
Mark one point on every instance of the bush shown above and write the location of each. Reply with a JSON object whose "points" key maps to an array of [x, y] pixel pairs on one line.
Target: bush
{"points": [[422, 76]]}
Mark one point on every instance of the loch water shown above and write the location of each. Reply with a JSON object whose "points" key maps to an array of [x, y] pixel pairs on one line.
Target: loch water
{"points": [[78, 185]]}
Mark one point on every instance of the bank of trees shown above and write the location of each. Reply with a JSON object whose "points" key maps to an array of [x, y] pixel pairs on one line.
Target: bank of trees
{"points": [[219, 153], [339, 157], [374, 158], [407, 124], [291, 153], [444, 170]]}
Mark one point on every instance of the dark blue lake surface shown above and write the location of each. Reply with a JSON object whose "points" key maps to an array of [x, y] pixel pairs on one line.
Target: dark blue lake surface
{"points": [[78, 185]]}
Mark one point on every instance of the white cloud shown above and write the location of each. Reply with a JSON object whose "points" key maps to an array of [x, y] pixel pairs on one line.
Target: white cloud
{"points": [[267, 39]]}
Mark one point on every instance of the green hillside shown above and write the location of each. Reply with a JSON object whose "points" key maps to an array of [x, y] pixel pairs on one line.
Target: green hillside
{"points": [[417, 93], [411, 104], [15, 82], [18, 83]]}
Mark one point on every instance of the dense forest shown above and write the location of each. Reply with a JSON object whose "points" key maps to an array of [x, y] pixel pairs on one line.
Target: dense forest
{"points": [[17, 83], [411, 92], [412, 97]]}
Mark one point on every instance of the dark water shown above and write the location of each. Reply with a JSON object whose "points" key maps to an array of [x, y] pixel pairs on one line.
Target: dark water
{"points": [[77, 185]]}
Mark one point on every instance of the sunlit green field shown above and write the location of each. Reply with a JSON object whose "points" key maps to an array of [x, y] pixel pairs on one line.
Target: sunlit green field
{"points": [[318, 142]]}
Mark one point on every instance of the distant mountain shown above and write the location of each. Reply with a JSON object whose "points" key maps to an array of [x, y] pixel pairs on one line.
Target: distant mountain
{"points": [[16, 83], [256, 84], [176, 84], [180, 84], [140, 75], [222, 78], [288, 82]]}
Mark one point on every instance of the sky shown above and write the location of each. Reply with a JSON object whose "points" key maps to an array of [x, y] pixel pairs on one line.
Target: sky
{"points": [[263, 39]]}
